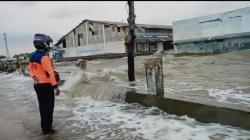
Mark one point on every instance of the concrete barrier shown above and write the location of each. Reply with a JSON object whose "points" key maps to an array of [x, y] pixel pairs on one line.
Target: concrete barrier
{"points": [[202, 111], [154, 76]]}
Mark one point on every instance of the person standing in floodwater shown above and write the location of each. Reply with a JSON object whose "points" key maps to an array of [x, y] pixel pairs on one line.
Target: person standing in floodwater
{"points": [[45, 80]]}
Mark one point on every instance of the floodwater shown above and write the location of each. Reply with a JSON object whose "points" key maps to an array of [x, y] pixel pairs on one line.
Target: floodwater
{"points": [[92, 107]]}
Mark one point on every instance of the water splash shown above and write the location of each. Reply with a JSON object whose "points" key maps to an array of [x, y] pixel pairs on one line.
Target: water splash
{"points": [[235, 96], [78, 85], [103, 92]]}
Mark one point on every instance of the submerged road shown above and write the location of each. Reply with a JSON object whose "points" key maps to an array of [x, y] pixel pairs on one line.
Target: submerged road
{"points": [[78, 117]]}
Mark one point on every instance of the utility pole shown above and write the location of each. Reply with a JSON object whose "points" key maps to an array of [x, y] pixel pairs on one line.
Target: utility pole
{"points": [[130, 41], [6, 46]]}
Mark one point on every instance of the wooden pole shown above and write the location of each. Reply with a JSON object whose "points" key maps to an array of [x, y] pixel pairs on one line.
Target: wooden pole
{"points": [[130, 41]]}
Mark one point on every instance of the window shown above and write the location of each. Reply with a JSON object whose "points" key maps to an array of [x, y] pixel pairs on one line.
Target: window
{"points": [[64, 43], [106, 26], [118, 29], [80, 37]]}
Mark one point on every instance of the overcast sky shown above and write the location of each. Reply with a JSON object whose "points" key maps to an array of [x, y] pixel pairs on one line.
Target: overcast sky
{"points": [[21, 20]]}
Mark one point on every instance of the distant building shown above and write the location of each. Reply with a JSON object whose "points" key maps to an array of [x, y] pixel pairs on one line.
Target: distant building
{"points": [[220, 32], [98, 37], [22, 57]]}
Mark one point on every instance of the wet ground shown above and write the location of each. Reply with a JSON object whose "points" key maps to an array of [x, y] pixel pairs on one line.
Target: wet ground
{"points": [[88, 110]]}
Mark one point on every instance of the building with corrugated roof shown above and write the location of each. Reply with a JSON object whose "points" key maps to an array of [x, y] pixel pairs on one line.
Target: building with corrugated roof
{"points": [[92, 37]]}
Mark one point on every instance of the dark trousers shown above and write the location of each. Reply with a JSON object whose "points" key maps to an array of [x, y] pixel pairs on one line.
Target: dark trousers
{"points": [[46, 99]]}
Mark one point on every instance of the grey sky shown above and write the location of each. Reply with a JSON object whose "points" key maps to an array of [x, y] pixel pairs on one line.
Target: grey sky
{"points": [[21, 20]]}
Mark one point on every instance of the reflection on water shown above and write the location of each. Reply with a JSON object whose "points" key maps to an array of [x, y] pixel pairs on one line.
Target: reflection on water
{"points": [[223, 77]]}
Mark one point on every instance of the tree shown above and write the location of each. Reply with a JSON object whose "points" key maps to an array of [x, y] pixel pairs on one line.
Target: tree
{"points": [[16, 56], [2, 56]]}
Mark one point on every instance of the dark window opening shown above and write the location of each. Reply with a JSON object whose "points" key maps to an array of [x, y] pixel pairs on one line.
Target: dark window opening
{"points": [[80, 36], [167, 45], [79, 43], [64, 43], [92, 31], [124, 29], [106, 26]]}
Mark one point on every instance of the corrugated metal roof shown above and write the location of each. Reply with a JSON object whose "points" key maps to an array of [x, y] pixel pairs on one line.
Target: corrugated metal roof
{"points": [[154, 26], [110, 22], [139, 25], [215, 14], [153, 39]]}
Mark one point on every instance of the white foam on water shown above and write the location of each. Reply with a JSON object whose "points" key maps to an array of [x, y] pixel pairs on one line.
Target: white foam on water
{"points": [[90, 75], [168, 90], [225, 95], [16, 86], [15, 76], [149, 123], [120, 69], [95, 61], [73, 79]]}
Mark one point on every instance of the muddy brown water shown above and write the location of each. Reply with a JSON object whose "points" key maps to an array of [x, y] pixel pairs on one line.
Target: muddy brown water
{"points": [[88, 110]]}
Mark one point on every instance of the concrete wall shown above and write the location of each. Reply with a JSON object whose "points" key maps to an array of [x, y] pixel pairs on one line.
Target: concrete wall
{"points": [[69, 40], [236, 21], [214, 46], [202, 111], [106, 39], [110, 47]]}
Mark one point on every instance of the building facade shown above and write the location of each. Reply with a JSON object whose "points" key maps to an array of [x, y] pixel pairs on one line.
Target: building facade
{"points": [[92, 37], [220, 32]]}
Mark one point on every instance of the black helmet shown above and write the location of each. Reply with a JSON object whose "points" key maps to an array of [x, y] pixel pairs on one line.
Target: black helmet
{"points": [[42, 41]]}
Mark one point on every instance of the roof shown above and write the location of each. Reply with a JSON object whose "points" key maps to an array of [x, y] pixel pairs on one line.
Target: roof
{"points": [[110, 22], [214, 14], [153, 39], [59, 42], [139, 25], [154, 26]]}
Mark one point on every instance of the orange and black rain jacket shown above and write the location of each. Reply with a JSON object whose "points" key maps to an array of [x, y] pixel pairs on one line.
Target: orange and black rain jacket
{"points": [[41, 67]]}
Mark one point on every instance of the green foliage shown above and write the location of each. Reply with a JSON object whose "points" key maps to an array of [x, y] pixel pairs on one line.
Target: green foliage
{"points": [[2, 56]]}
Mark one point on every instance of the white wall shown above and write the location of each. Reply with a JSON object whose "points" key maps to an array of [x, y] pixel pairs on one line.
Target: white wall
{"points": [[114, 47], [236, 21]]}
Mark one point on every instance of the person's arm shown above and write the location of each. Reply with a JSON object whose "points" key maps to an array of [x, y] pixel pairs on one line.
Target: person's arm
{"points": [[48, 67]]}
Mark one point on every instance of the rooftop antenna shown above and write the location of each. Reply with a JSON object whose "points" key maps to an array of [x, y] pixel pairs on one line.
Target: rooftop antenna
{"points": [[6, 46]]}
